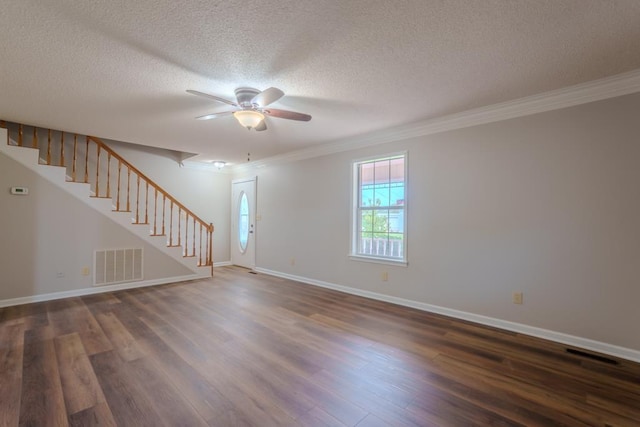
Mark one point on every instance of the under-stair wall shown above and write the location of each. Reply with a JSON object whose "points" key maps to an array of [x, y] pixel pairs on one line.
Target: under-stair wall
{"points": [[40, 266], [49, 237]]}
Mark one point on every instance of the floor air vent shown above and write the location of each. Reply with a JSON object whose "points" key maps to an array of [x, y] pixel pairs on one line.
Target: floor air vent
{"points": [[592, 356], [117, 266]]}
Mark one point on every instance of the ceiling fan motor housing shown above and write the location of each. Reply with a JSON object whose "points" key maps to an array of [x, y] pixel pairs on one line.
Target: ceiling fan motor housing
{"points": [[245, 95]]}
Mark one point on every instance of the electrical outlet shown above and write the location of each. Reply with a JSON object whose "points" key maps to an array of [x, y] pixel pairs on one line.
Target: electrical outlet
{"points": [[384, 276], [292, 261], [517, 297], [85, 271]]}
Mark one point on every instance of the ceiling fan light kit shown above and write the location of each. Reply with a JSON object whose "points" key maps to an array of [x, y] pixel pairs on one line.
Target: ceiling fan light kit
{"points": [[249, 118], [250, 108]]}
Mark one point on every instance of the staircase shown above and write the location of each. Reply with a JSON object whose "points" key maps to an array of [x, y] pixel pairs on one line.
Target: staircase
{"points": [[90, 170]]}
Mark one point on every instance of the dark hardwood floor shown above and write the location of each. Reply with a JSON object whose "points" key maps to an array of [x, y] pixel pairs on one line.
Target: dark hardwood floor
{"points": [[254, 350]]}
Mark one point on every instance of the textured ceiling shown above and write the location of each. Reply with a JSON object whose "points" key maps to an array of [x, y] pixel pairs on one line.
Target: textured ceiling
{"points": [[119, 68]]}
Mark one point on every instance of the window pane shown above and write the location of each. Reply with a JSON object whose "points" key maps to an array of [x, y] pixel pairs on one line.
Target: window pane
{"points": [[397, 194], [396, 172], [381, 172], [381, 222], [366, 221], [366, 196], [381, 178], [243, 222], [364, 244], [396, 221]]}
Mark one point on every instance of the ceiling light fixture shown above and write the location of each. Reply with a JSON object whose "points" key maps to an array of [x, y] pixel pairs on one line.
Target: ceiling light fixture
{"points": [[248, 118], [219, 164]]}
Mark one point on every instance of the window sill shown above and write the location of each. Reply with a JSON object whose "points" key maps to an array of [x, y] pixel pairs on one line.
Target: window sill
{"points": [[376, 260]]}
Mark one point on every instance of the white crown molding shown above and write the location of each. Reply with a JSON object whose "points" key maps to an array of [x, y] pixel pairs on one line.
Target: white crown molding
{"points": [[99, 290], [559, 337], [596, 90]]}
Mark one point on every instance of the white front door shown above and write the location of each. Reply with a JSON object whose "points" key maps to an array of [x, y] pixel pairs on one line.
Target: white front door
{"points": [[243, 219]]}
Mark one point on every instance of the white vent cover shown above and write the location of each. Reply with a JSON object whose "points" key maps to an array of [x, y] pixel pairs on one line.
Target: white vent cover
{"points": [[117, 266]]}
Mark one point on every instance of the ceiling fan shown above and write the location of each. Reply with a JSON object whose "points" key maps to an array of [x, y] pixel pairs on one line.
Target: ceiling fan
{"points": [[251, 107]]}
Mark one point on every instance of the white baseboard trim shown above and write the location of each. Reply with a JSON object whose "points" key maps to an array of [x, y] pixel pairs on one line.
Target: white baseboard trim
{"points": [[99, 290], [221, 264], [574, 341]]}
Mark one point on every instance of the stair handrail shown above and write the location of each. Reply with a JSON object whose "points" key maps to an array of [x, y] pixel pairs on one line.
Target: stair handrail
{"points": [[151, 182], [208, 227]]}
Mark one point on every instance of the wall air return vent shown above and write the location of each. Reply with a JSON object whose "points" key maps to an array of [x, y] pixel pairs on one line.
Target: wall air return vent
{"points": [[117, 266]]}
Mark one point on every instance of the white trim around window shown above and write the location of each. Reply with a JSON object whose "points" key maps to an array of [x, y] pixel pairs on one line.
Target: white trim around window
{"points": [[379, 209]]}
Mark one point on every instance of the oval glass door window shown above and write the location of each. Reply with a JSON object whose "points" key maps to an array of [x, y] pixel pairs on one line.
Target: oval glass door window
{"points": [[243, 222]]}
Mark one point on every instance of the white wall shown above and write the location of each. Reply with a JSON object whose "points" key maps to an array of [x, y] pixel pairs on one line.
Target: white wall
{"points": [[206, 193], [49, 232], [547, 204]]}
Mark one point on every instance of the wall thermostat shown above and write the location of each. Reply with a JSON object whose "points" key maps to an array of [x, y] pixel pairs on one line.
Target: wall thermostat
{"points": [[20, 190]]}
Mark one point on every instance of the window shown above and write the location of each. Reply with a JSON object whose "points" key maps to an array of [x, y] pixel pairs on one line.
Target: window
{"points": [[243, 222], [379, 213]]}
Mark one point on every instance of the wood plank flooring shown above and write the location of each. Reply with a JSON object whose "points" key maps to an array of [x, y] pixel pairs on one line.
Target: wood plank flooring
{"points": [[253, 350]]}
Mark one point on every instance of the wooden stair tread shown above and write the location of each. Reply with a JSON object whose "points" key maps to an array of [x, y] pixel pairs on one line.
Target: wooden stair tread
{"points": [[157, 235], [139, 223]]}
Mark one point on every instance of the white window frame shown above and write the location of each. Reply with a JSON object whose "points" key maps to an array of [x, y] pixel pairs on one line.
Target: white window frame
{"points": [[355, 212]]}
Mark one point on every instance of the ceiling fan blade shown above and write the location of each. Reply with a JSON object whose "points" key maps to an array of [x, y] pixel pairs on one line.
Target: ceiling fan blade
{"points": [[214, 115], [262, 126], [267, 96], [284, 114], [215, 98]]}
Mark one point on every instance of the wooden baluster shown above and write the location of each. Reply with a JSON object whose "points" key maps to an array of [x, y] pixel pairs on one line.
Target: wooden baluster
{"points": [[109, 174], [179, 222], [171, 224], [194, 237], [164, 203], [49, 147], [146, 202], [155, 211], [118, 187], [128, 189], [62, 148], [34, 141], [20, 132], [138, 200], [210, 261], [200, 240], [185, 252], [98, 172], [206, 248], [75, 155], [86, 162]]}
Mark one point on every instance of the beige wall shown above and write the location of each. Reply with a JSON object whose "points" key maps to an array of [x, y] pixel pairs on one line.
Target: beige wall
{"points": [[49, 232], [547, 204]]}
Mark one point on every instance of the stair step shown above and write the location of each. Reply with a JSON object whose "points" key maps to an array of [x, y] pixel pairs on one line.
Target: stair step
{"points": [[115, 210], [188, 256], [174, 246], [139, 223], [99, 197], [157, 235]]}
